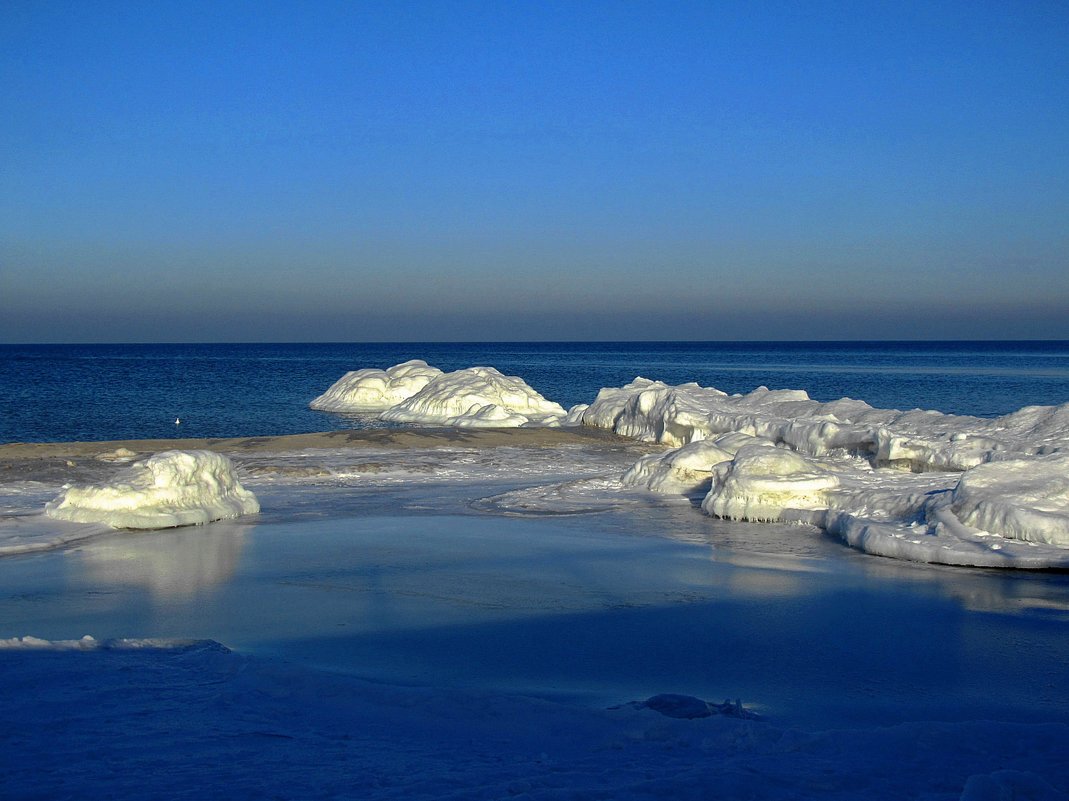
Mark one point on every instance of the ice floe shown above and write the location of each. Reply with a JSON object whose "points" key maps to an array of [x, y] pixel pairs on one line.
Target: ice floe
{"points": [[172, 488], [182, 719]]}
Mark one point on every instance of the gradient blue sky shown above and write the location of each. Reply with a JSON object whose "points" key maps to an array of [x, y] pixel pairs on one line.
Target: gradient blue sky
{"points": [[271, 171]]}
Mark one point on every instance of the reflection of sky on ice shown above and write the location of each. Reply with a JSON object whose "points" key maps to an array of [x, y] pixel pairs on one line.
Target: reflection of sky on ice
{"points": [[532, 570], [172, 564]]}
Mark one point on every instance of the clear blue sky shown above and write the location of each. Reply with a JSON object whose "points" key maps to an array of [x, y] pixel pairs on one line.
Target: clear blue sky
{"points": [[533, 170]]}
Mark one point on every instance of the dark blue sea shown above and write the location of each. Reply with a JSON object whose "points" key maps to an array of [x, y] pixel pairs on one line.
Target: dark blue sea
{"points": [[103, 392]]}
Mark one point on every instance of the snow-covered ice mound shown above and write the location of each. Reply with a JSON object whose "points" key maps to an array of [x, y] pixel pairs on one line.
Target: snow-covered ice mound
{"points": [[919, 440], [477, 397], [689, 468], [172, 488], [760, 483], [414, 392], [916, 485], [371, 390], [1023, 499]]}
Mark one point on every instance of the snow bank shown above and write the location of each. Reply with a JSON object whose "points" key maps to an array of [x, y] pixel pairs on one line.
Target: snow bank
{"points": [[760, 483], [173, 488], [376, 390], [1024, 499], [477, 397]]}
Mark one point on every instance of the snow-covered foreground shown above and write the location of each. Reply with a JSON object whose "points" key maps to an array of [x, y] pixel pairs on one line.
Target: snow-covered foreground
{"points": [[129, 720], [995, 492]]}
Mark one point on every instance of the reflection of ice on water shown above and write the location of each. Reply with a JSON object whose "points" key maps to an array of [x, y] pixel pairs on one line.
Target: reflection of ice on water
{"points": [[173, 564]]}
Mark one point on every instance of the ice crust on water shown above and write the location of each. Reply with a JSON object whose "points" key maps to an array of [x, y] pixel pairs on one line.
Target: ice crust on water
{"points": [[985, 492], [168, 489], [267, 728], [371, 390]]}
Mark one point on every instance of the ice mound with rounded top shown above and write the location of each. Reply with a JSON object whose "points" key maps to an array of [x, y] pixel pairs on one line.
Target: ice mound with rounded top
{"points": [[168, 489], [376, 390], [415, 392], [477, 397], [690, 467], [760, 483]]}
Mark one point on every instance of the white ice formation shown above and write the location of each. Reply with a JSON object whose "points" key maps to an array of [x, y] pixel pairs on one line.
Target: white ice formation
{"points": [[172, 488], [371, 390], [477, 397], [414, 392], [916, 485]]}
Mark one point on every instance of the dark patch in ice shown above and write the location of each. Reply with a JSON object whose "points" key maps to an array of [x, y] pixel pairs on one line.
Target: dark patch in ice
{"points": [[675, 705]]}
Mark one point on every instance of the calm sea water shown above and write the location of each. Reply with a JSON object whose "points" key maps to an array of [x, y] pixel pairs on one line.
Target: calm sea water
{"points": [[101, 392]]}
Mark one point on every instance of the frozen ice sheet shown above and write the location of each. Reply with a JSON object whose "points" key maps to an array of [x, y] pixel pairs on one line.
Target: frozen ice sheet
{"points": [[196, 719]]}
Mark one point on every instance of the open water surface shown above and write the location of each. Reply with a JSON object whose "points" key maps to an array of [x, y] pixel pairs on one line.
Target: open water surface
{"points": [[104, 392]]}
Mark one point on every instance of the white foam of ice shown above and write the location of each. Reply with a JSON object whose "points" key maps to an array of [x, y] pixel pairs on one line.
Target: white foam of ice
{"points": [[172, 488]]}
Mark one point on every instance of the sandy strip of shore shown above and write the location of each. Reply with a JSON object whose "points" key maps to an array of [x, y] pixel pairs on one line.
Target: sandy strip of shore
{"points": [[45, 461]]}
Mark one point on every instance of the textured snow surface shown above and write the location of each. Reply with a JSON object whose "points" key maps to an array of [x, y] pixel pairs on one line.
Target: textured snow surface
{"points": [[376, 390], [477, 397], [172, 488], [135, 719], [916, 485], [414, 392]]}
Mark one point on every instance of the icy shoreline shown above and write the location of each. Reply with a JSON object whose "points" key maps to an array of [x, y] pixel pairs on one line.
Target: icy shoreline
{"points": [[995, 492], [194, 717]]}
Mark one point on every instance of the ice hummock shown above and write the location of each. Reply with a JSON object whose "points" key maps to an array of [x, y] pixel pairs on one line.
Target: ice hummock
{"points": [[168, 489], [371, 390], [477, 397], [917, 485], [415, 392]]}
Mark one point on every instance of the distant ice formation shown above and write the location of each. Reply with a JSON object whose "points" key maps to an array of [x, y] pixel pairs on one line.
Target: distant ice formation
{"points": [[172, 488], [371, 390], [415, 392], [477, 397]]}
